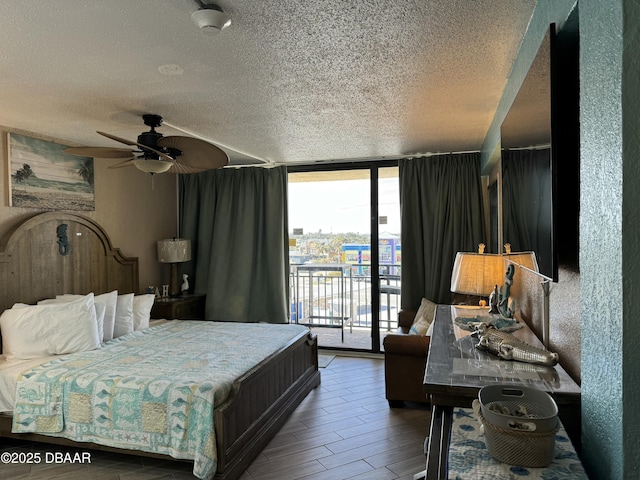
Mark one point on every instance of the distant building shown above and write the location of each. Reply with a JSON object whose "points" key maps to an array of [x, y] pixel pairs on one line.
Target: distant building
{"points": [[360, 254]]}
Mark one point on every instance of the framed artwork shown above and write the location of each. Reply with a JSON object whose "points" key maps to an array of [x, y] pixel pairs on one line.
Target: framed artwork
{"points": [[42, 176]]}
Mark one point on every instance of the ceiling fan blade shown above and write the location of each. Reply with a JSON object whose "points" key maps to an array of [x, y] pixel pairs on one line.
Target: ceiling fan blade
{"points": [[196, 153], [162, 156], [99, 152], [117, 139], [127, 163], [178, 167]]}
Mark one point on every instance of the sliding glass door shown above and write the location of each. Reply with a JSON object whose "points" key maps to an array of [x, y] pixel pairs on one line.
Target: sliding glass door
{"points": [[390, 249], [344, 238]]}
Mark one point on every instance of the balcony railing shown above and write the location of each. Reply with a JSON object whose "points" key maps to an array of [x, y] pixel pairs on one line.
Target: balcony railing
{"points": [[339, 295]]}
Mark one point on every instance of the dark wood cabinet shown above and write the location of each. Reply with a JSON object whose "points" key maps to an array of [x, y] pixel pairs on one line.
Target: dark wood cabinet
{"points": [[184, 307]]}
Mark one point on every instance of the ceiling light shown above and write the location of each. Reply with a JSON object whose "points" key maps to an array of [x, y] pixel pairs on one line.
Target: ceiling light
{"points": [[152, 166], [210, 19]]}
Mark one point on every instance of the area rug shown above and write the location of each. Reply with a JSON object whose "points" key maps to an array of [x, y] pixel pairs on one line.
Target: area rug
{"points": [[324, 360]]}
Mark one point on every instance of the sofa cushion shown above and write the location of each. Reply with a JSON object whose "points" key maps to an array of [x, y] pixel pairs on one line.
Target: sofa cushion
{"points": [[424, 317]]}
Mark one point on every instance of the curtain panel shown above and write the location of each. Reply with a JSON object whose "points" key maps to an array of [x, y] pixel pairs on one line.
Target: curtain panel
{"points": [[526, 204], [237, 222], [442, 213]]}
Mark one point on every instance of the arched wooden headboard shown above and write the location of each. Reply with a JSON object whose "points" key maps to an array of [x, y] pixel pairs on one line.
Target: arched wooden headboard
{"points": [[37, 260]]}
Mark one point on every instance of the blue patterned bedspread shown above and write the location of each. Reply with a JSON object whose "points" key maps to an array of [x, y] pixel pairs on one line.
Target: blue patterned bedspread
{"points": [[152, 390]]}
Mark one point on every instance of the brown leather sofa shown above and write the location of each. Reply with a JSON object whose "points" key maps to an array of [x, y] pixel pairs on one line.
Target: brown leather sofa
{"points": [[405, 357]]}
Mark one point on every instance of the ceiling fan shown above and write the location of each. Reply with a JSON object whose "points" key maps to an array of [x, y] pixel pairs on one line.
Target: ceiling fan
{"points": [[156, 153]]}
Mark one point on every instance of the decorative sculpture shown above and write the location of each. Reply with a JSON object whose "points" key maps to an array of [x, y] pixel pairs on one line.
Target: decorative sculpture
{"points": [[508, 347], [504, 291], [185, 283], [63, 241]]}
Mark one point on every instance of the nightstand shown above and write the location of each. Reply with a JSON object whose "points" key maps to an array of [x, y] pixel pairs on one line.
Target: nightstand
{"points": [[184, 307]]}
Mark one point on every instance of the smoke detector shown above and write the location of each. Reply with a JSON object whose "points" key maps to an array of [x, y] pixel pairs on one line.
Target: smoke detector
{"points": [[210, 18]]}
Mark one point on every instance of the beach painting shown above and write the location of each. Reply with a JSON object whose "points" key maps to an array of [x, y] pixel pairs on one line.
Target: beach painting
{"points": [[46, 178]]}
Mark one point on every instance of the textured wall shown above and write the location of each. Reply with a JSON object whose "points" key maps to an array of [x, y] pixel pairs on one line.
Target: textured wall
{"points": [[565, 328], [564, 313], [133, 213], [609, 233]]}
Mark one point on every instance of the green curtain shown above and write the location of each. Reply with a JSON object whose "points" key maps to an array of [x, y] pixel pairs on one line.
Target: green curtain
{"points": [[236, 219], [441, 208], [526, 203]]}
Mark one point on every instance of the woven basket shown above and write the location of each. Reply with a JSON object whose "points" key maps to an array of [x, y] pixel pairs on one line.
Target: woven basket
{"points": [[515, 447], [538, 410]]}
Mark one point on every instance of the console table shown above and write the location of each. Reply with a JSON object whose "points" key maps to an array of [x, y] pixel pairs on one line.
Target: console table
{"points": [[456, 371]]}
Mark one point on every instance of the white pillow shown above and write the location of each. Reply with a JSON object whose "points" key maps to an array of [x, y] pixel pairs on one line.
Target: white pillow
{"points": [[99, 306], [142, 305], [124, 315], [109, 300], [51, 329], [101, 309], [424, 317]]}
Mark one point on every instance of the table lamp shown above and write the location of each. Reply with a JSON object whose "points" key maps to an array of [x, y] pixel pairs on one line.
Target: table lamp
{"points": [[477, 274], [174, 251], [524, 259], [480, 273]]}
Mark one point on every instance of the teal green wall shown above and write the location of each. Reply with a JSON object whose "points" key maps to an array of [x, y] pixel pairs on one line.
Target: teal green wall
{"points": [[609, 222], [609, 237]]}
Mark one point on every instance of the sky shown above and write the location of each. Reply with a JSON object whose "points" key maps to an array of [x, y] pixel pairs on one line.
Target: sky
{"points": [[342, 206]]}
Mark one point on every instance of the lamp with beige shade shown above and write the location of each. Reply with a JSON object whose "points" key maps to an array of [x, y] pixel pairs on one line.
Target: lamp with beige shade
{"points": [[174, 251], [480, 273]]}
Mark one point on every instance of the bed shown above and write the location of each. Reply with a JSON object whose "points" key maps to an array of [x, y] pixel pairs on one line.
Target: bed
{"points": [[40, 260]]}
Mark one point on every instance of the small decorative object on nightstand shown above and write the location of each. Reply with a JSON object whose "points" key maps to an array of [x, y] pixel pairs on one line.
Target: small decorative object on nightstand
{"points": [[186, 307]]}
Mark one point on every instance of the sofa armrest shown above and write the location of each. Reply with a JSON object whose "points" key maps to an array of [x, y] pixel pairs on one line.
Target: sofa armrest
{"points": [[413, 345]]}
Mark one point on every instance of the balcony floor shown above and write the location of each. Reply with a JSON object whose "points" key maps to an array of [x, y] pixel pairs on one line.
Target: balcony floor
{"points": [[358, 338]]}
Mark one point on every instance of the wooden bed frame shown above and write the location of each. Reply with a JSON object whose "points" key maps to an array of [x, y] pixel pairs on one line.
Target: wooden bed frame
{"points": [[33, 267]]}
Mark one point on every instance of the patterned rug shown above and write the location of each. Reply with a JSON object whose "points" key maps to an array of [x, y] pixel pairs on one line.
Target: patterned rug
{"points": [[469, 457]]}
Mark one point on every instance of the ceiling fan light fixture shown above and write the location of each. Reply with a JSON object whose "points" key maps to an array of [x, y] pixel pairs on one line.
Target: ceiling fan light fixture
{"points": [[211, 20], [152, 166]]}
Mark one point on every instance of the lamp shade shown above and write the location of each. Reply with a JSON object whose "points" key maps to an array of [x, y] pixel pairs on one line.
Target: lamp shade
{"points": [[524, 259], [175, 250], [477, 273]]}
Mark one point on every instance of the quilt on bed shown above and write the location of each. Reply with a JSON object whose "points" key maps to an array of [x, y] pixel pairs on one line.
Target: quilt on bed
{"points": [[152, 390]]}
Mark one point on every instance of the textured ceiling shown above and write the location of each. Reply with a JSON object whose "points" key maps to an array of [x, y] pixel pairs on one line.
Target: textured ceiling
{"points": [[289, 81]]}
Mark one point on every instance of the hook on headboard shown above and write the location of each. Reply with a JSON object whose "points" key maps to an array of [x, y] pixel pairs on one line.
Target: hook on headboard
{"points": [[63, 241]]}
